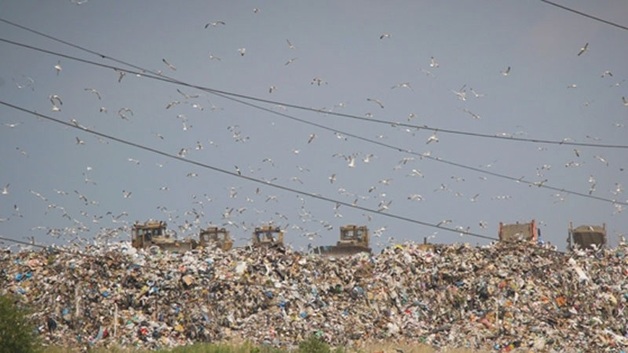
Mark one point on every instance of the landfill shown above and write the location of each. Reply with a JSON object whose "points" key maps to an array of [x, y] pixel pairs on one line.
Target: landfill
{"points": [[499, 297]]}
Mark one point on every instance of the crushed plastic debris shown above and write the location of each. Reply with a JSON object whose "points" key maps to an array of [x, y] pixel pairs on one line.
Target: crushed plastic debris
{"points": [[500, 297]]}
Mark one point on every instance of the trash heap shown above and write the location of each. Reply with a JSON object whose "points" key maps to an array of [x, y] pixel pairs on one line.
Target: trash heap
{"points": [[496, 297]]}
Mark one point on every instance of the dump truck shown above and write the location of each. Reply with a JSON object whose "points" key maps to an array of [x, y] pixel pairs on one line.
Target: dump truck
{"points": [[218, 237], [353, 239], [586, 237], [519, 232], [267, 236], [156, 233]]}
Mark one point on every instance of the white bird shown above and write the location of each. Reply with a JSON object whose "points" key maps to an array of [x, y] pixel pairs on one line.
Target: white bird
{"points": [[170, 66], [311, 138], [461, 93], [91, 90], [58, 67], [55, 99], [381, 105], [432, 138], [5, 190], [122, 112], [475, 116], [625, 101], [332, 178], [12, 125], [433, 63], [290, 61], [506, 72], [289, 44], [79, 141], [242, 51], [213, 57], [583, 49], [384, 35], [215, 23], [403, 85]]}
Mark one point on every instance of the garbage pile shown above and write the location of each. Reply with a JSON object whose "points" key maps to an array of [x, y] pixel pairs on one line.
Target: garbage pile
{"points": [[495, 297]]}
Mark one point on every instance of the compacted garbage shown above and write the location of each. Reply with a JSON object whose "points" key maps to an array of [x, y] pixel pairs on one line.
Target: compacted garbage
{"points": [[497, 297]]}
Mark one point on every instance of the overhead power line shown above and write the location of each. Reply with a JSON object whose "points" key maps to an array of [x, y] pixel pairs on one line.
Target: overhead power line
{"points": [[232, 96], [585, 15], [156, 76]]}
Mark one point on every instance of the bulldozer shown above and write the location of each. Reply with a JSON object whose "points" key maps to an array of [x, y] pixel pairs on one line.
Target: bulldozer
{"points": [[267, 236], [353, 239], [519, 232], [586, 237], [155, 233], [218, 237]]}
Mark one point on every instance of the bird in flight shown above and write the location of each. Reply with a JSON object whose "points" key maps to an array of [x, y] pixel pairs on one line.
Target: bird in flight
{"points": [[384, 35], [169, 65], [583, 49], [506, 72], [214, 24], [381, 105]]}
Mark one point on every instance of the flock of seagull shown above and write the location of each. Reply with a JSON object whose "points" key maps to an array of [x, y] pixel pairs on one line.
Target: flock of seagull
{"points": [[259, 201]]}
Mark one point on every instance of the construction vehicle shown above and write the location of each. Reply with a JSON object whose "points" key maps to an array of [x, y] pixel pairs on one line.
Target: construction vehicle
{"points": [[156, 233], [353, 239], [519, 232], [267, 236], [586, 237], [218, 237]]}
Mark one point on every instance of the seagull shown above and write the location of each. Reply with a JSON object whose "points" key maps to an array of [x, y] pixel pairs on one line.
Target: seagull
{"points": [[12, 125], [506, 72], [318, 81], [290, 61], [625, 101], [432, 138], [91, 90], [461, 93], [122, 113], [79, 141], [242, 51], [289, 44], [475, 116], [5, 190], [169, 65], [215, 23], [433, 63], [403, 85], [381, 105], [58, 67], [56, 102], [332, 178], [583, 49], [311, 138], [213, 57], [384, 35]]}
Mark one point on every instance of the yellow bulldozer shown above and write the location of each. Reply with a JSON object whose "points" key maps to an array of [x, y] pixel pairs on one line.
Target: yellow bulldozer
{"points": [[267, 236], [353, 239], [218, 237], [155, 233], [586, 237]]}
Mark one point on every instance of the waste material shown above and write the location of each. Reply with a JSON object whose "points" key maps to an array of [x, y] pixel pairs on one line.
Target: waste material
{"points": [[500, 297]]}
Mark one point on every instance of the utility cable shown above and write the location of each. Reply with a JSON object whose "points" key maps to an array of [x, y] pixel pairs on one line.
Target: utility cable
{"points": [[143, 72], [585, 15], [230, 96]]}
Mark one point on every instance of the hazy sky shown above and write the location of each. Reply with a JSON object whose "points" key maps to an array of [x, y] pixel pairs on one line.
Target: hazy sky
{"points": [[384, 69]]}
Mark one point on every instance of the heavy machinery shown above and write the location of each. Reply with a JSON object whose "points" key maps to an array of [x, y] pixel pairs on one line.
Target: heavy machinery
{"points": [[218, 237], [155, 233], [267, 236], [353, 239], [586, 237], [519, 232]]}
